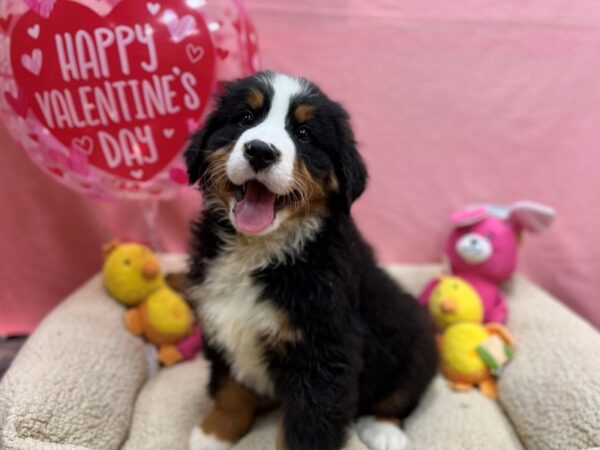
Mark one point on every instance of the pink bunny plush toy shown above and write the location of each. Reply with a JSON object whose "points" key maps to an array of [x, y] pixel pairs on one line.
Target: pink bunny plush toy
{"points": [[482, 249]]}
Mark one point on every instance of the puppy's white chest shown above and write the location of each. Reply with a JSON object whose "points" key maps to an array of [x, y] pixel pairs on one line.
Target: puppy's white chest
{"points": [[235, 321]]}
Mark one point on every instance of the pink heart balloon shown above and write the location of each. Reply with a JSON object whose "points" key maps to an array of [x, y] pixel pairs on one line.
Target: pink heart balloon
{"points": [[107, 102]]}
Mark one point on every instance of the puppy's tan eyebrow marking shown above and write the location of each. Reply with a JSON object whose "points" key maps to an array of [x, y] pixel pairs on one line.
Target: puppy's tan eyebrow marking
{"points": [[304, 112], [255, 98]]}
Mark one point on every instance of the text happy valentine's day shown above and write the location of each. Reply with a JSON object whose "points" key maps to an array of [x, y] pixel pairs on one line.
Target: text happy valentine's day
{"points": [[83, 56], [114, 89]]}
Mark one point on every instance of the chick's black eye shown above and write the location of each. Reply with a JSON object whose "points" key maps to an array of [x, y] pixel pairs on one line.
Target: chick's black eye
{"points": [[303, 134], [127, 262], [246, 118]]}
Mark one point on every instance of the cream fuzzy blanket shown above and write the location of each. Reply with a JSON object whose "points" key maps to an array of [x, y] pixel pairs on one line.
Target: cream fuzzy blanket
{"points": [[80, 383]]}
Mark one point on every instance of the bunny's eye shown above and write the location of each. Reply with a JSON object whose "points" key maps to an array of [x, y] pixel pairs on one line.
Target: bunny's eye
{"points": [[490, 236]]}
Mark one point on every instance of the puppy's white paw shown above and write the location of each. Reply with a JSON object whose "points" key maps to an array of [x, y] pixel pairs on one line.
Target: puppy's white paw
{"points": [[201, 441], [380, 435]]}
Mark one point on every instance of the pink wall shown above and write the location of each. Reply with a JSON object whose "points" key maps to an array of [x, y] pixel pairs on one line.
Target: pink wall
{"points": [[487, 101]]}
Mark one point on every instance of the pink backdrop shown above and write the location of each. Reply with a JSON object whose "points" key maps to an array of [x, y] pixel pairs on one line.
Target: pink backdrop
{"points": [[486, 101]]}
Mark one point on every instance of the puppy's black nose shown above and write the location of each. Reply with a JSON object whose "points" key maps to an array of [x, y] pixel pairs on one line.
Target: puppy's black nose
{"points": [[260, 155]]}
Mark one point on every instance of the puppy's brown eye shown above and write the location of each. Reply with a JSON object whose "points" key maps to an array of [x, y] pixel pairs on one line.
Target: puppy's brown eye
{"points": [[303, 134], [246, 118]]}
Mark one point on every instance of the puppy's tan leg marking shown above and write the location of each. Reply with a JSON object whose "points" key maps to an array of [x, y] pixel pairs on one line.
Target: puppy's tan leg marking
{"points": [[228, 420], [392, 420], [280, 440], [392, 405], [232, 413]]}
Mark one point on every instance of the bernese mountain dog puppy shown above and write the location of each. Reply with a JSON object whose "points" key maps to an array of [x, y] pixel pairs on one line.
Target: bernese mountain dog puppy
{"points": [[294, 309]]}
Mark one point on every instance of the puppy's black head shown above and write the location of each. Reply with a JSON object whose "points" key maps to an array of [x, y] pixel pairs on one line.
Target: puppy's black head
{"points": [[276, 147]]}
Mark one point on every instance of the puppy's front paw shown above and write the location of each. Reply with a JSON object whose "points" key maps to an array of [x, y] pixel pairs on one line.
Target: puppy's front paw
{"points": [[202, 441], [380, 435]]}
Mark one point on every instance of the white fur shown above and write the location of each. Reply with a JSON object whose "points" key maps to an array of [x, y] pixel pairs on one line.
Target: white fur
{"points": [[474, 248], [272, 131], [201, 441], [230, 315], [279, 177], [380, 435]]}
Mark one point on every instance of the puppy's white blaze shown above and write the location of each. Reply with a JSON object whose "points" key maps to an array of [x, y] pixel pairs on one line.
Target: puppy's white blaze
{"points": [[201, 441], [272, 131], [380, 435]]}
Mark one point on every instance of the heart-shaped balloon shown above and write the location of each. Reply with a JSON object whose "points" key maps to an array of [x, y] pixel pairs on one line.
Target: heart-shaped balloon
{"points": [[104, 94]]}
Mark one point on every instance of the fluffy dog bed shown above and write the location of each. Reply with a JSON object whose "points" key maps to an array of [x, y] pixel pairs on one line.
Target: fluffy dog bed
{"points": [[80, 383]]}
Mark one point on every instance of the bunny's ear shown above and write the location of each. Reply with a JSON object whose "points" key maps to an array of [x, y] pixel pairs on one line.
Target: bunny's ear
{"points": [[531, 216], [468, 216]]}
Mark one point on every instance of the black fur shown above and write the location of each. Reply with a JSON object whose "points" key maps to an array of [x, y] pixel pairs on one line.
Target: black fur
{"points": [[332, 148], [363, 338]]}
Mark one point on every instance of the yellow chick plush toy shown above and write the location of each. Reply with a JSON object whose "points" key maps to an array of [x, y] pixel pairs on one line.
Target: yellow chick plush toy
{"points": [[471, 353], [132, 276], [131, 272], [166, 320], [453, 300]]}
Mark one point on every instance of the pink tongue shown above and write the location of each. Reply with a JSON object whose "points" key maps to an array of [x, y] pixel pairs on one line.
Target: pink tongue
{"points": [[257, 210]]}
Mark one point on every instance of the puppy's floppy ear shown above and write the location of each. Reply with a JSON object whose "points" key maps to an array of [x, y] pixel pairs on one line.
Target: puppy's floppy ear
{"points": [[349, 166], [195, 155]]}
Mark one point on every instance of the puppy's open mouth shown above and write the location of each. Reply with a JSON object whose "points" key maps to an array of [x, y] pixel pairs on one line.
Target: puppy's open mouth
{"points": [[255, 206]]}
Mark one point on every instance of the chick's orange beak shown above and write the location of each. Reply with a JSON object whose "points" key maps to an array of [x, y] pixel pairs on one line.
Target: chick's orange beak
{"points": [[150, 269], [448, 306]]}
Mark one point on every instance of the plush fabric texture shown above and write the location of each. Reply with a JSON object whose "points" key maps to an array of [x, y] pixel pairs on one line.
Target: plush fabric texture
{"points": [[552, 390], [75, 380], [168, 407], [80, 383]]}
